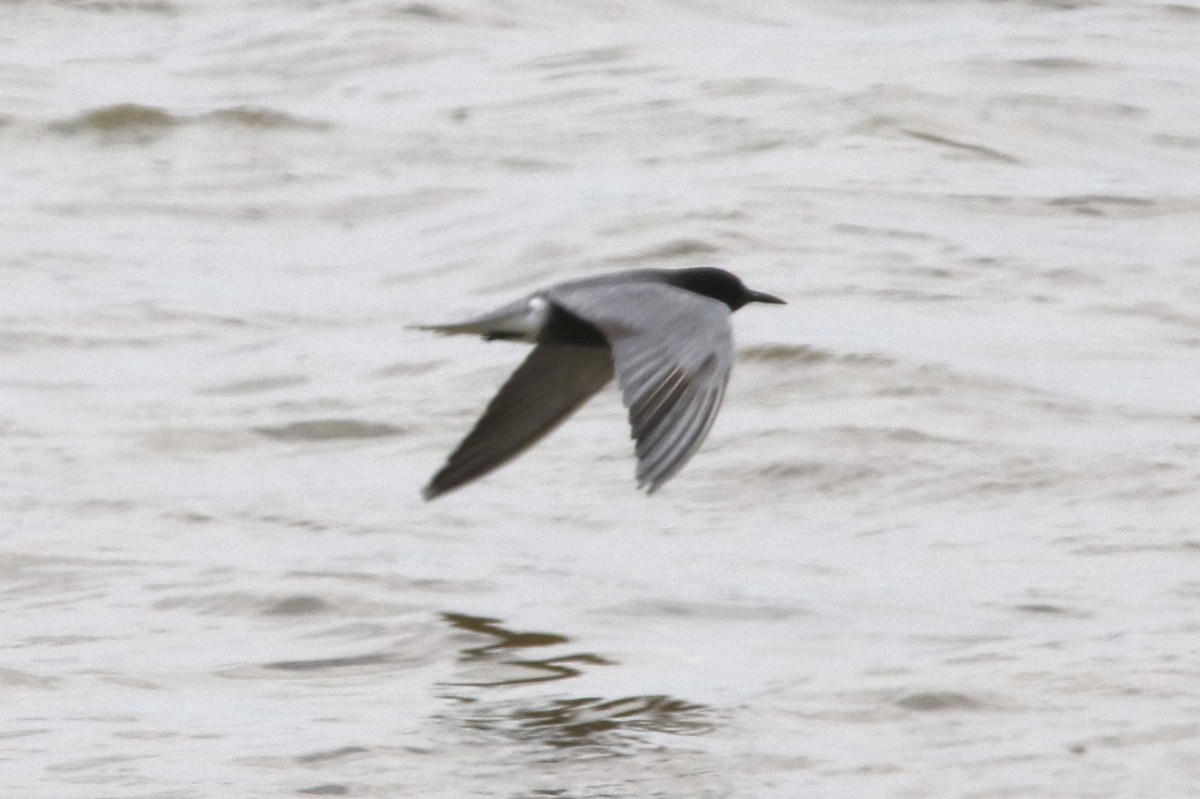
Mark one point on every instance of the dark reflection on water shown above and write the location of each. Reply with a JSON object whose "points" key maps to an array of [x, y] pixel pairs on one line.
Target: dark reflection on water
{"points": [[498, 652], [595, 725], [610, 726], [329, 663], [358, 665]]}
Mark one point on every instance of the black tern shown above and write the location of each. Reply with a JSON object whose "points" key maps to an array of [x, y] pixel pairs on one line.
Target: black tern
{"points": [[665, 333]]}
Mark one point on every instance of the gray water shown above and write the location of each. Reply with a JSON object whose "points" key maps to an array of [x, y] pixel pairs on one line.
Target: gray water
{"points": [[941, 541]]}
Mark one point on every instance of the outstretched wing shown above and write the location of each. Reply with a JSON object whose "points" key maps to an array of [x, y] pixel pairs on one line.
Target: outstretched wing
{"points": [[673, 352], [546, 388]]}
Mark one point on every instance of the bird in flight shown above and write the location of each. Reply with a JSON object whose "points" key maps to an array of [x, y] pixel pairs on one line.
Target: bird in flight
{"points": [[664, 332]]}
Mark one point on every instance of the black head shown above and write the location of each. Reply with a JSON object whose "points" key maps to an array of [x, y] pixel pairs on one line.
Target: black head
{"points": [[718, 284]]}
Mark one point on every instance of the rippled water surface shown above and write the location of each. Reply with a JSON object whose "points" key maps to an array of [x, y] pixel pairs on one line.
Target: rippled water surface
{"points": [[941, 542]]}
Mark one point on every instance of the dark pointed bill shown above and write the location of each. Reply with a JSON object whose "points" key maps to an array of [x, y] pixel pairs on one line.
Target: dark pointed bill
{"points": [[762, 296]]}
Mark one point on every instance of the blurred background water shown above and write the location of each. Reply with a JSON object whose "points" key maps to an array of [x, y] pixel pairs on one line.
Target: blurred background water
{"points": [[941, 541]]}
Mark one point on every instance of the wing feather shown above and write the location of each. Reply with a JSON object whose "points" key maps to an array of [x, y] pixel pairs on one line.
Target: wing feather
{"points": [[549, 385], [673, 353], [674, 451]]}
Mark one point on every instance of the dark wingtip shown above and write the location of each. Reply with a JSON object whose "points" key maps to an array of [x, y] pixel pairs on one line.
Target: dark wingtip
{"points": [[649, 486], [436, 488]]}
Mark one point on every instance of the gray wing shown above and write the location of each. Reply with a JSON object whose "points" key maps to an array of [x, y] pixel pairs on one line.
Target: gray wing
{"points": [[546, 388], [673, 352]]}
